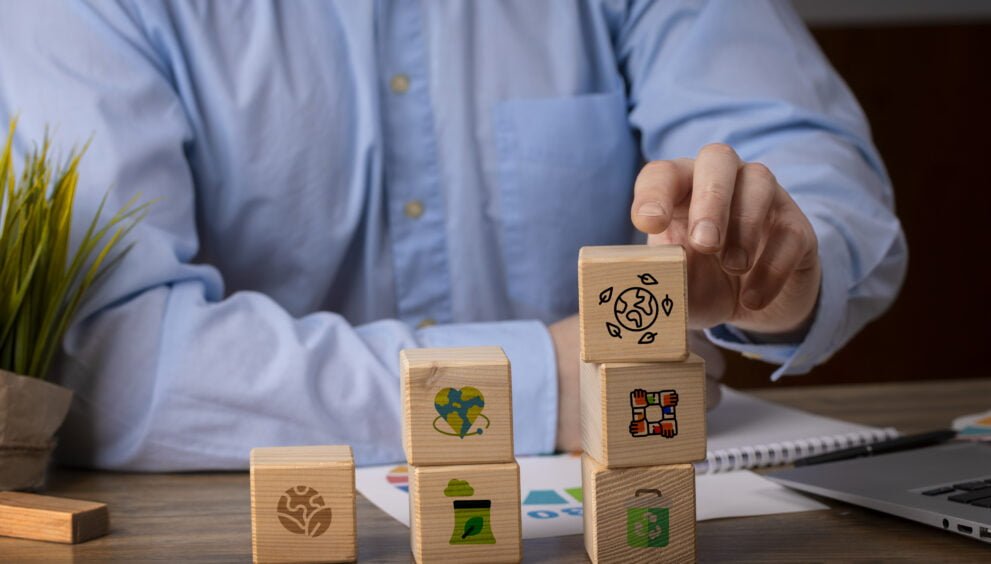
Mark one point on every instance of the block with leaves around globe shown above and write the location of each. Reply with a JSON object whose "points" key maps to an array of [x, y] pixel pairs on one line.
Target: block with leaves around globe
{"points": [[632, 303], [303, 504]]}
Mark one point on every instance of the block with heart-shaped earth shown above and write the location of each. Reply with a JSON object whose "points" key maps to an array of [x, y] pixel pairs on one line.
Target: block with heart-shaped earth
{"points": [[632, 303], [303, 504], [457, 406]]}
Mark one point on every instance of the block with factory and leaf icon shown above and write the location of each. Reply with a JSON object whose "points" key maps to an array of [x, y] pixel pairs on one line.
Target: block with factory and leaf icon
{"points": [[643, 414], [456, 406], [465, 513], [632, 303]]}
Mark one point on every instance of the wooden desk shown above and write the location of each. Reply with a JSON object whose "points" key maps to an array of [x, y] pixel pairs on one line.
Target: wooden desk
{"points": [[205, 517]]}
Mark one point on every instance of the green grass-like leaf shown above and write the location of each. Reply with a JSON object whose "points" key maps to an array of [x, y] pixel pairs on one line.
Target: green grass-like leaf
{"points": [[42, 285]]}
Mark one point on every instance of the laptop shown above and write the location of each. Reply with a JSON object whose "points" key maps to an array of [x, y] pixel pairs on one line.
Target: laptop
{"points": [[946, 486]]}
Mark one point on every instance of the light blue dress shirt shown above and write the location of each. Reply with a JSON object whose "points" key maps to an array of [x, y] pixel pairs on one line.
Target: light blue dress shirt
{"points": [[333, 177]]}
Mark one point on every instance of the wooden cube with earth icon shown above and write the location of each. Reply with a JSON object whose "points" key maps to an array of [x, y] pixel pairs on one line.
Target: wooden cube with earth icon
{"points": [[632, 303], [457, 406], [643, 414], [303, 504], [642, 514], [466, 513]]}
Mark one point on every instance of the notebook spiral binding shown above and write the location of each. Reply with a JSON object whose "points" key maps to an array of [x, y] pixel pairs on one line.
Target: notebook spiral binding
{"points": [[773, 454]]}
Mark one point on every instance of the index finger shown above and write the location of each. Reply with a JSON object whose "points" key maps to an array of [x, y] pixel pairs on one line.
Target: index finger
{"points": [[716, 169], [660, 187]]}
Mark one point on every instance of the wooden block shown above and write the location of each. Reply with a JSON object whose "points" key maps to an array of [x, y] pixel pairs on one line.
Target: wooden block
{"points": [[48, 518], [644, 414], [633, 305], [302, 504], [644, 514], [468, 513], [457, 406]]}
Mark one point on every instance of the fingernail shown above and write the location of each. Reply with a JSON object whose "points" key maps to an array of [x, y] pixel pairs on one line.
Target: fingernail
{"points": [[736, 259], [705, 234], [751, 299], [651, 209]]}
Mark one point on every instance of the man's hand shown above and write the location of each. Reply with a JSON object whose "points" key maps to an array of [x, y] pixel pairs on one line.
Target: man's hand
{"points": [[753, 257]]}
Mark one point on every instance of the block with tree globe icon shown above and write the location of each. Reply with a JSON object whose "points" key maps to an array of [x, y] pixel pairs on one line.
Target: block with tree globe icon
{"points": [[303, 504]]}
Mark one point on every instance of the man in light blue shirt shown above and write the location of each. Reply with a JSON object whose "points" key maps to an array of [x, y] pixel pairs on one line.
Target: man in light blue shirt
{"points": [[337, 181]]}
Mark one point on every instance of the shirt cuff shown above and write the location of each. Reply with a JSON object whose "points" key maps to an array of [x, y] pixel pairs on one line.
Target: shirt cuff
{"points": [[534, 373], [822, 338]]}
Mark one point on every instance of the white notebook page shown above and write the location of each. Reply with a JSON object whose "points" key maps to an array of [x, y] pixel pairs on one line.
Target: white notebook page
{"points": [[748, 432]]}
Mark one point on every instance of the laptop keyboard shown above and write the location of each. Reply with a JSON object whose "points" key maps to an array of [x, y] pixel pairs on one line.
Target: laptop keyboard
{"points": [[973, 492]]}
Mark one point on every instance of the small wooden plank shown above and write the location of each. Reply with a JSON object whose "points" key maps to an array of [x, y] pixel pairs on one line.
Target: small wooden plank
{"points": [[644, 514], [644, 414], [48, 518], [465, 513], [633, 303], [303, 504], [436, 383]]}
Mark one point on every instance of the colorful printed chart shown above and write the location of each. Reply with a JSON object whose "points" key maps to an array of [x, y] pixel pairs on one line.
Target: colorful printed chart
{"points": [[551, 491], [552, 495], [976, 427], [398, 477]]}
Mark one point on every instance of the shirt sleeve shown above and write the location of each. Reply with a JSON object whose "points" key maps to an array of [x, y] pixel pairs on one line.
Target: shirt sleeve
{"points": [[169, 373], [749, 74]]}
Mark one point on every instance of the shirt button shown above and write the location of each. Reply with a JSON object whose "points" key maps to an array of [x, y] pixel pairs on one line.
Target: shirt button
{"points": [[399, 83], [413, 209], [428, 322]]}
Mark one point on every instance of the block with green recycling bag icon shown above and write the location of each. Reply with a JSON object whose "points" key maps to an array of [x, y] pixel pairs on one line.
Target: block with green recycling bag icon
{"points": [[647, 519], [639, 514]]}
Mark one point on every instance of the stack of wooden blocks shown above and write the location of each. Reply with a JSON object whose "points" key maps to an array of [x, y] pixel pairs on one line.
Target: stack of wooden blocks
{"points": [[458, 437], [643, 405]]}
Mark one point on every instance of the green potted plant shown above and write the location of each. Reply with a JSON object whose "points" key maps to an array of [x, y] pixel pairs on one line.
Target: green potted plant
{"points": [[43, 281]]}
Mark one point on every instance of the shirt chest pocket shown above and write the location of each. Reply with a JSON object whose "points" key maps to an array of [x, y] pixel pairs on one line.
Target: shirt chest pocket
{"points": [[565, 179]]}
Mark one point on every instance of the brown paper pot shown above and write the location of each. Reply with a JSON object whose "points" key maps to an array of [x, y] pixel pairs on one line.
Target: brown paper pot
{"points": [[31, 410]]}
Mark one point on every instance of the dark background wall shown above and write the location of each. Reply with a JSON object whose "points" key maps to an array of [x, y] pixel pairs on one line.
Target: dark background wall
{"points": [[926, 89]]}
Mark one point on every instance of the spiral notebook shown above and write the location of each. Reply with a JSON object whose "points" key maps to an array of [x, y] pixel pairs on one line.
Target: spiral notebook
{"points": [[747, 432]]}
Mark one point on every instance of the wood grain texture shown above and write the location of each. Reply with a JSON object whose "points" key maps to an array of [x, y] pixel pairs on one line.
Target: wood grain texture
{"points": [[623, 294], [437, 529], [49, 518], [608, 411], [620, 505], [428, 438], [303, 504], [205, 517]]}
